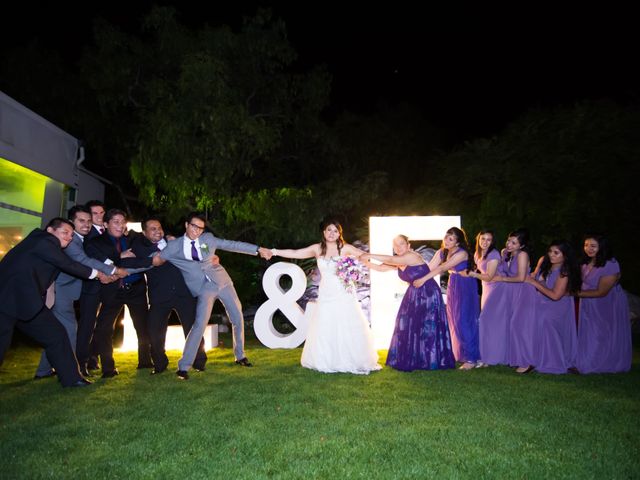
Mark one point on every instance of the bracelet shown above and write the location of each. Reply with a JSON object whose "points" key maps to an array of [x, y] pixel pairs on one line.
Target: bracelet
{"points": [[274, 252]]}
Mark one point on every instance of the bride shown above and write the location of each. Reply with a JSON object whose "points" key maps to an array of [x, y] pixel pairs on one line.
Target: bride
{"points": [[339, 338]]}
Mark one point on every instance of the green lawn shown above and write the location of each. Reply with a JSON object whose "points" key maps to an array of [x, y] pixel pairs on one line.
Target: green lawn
{"points": [[279, 420]]}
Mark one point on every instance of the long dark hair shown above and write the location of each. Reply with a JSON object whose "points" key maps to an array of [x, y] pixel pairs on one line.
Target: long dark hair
{"points": [[323, 244], [522, 234], [569, 266], [492, 245], [463, 244], [605, 251]]}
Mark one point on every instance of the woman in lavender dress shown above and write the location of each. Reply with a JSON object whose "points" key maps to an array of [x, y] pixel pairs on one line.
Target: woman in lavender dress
{"points": [[498, 309], [604, 328], [463, 303], [555, 278], [487, 259], [421, 336]]}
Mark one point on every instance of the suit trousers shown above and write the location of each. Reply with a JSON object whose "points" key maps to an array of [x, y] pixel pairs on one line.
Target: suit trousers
{"points": [[85, 346], [136, 300], [65, 313], [46, 330], [206, 299], [159, 313]]}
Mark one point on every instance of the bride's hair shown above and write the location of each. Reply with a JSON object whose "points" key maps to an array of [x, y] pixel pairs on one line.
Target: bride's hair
{"points": [[323, 244]]}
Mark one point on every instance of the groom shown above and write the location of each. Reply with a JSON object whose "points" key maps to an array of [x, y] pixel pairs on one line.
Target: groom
{"points": [[207, 282]]}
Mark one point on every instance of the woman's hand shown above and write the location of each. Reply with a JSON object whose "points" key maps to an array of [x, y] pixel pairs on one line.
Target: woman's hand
{"points": [[419, 282]]}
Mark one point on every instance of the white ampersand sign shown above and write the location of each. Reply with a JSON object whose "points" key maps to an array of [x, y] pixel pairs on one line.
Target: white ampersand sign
{"points": [[285, 301]]}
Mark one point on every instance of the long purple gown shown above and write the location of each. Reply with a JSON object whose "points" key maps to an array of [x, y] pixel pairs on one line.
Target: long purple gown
{"points": [[495, 317], [421, 336], [463, 310], [604, 327], [524, 335], [483, 264], [557, 338]]}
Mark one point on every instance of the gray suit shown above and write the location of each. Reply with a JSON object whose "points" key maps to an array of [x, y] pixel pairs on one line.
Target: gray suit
{"points": [[207, 283], [67, 290]]}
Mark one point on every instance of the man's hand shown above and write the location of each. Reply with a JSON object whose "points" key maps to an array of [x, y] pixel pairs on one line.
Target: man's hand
{"points": [[120, 272], [265, 253], [214, 260], [157, 260], [105, 279], [127, 254]]}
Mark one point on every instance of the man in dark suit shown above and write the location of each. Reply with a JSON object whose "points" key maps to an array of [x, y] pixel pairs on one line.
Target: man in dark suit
{"points": [[27, 270], [166, 291], [68, 287], [113, 247], [89, 298]]}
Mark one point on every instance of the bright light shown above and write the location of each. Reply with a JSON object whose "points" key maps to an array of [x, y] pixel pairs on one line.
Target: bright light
{"points": [[175, 336], [387, 289]]}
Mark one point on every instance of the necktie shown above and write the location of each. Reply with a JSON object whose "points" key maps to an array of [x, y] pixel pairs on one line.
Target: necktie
{"points": [[101, 230], [119, 249], [194, 251]]}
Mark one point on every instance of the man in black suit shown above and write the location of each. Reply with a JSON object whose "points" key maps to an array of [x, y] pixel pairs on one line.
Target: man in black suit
{"points": [[167, 292], [89, 298], [27, 270], [113, 247]]}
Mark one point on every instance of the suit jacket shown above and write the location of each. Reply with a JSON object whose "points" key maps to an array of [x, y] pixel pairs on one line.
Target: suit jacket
{"points": [[103, 249], [89, 287], [28, 269], [163, 282], [70, 284], [196, 274]]}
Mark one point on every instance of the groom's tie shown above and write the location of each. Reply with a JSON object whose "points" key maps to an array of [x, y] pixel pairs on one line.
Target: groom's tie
{"points": [[194, 251]]}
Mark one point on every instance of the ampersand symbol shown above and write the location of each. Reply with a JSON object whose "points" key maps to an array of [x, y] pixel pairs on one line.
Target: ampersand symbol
{"points": [[285, 301]]}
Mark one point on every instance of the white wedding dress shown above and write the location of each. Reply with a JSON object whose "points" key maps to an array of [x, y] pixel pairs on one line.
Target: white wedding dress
{"points": [[339, 338]]}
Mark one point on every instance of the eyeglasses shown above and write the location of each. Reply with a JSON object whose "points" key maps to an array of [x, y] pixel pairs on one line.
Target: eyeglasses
{"points": [[196, 227]]}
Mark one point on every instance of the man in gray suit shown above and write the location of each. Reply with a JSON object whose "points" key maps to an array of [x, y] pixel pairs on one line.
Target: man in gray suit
{"points": [[68, 287], [207, 281]]}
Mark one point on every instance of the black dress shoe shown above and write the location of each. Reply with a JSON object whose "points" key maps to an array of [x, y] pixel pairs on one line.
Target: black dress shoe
{"points": [[182, 374], [157, 371], [81, 383], [144, 365], [50, 373], [244, 362], [111, 374]]}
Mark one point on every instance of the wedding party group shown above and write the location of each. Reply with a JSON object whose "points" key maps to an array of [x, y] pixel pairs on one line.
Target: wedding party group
{"points": [[64, 286], [523, 319]]}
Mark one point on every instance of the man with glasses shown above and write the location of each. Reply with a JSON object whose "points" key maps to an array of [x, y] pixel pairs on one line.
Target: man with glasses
{"points": [[207, 281]]}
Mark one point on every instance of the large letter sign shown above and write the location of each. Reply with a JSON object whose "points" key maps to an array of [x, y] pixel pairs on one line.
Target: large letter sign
{"points": [[286, 303]]}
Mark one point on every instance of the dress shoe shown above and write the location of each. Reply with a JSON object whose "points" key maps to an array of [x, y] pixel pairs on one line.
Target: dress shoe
{"points": [[182, 374], [81, 383], [144, 365], [573, 370], [244, 362], [157, 371], [111, 374], [199, 369], [50, 373], [523, 370]]}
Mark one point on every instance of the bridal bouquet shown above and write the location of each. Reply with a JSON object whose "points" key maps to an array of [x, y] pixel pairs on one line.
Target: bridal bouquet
{"points": [[350, 272]]}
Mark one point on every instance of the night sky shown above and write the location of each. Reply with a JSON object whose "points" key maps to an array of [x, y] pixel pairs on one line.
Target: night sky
{"points": [[469, 71]]}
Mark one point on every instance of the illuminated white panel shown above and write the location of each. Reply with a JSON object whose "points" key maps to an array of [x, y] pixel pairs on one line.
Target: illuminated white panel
{"points": [[175, 336], [387, 289]]}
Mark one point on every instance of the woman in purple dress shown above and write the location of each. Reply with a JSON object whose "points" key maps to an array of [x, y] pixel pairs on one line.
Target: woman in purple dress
{"points": [[487, 259], [604, 327], [463, 303], [498, 310], [556, 277], [420, 339]]}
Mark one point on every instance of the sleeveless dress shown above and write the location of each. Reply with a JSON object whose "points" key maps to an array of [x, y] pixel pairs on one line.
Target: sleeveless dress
{"points": [[463, 310], [556, 323], [604, 326], [420, 339], [339, 337], [495, 317]]}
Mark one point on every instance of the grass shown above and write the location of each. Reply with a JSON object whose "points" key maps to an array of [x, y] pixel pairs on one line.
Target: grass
{"points": [[279, 420]]}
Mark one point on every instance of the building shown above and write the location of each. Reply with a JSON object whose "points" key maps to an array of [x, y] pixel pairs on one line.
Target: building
{"points": [[41, 175]]}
